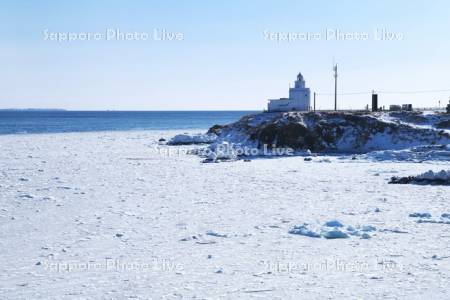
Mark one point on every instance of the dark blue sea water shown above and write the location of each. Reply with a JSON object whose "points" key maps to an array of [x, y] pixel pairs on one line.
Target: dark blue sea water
{"points": [[29, 121]]}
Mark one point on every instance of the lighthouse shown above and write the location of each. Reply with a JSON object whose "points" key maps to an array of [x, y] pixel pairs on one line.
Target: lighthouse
{"points": [[299, 98]]}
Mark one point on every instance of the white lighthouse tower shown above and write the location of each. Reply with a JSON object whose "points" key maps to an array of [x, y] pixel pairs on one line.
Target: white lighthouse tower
{"points": [[299, 98]]}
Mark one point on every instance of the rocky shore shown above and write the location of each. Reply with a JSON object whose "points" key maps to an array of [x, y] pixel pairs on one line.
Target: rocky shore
{"points": [[329, 131], [296, 133]]}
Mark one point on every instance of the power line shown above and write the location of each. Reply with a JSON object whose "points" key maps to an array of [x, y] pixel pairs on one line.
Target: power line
{"points": [[388, 92], [351, 93], [414, 92]]}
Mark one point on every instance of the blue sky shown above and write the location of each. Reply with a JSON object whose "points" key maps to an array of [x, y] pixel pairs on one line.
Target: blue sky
{"points": [[223, 60]]}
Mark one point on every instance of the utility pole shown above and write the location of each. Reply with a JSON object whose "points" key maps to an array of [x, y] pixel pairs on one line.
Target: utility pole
{"points": [[335, 86], [314, 101]]}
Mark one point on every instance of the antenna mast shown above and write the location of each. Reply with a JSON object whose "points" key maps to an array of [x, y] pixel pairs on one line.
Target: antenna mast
{"points": [[335, 86]]}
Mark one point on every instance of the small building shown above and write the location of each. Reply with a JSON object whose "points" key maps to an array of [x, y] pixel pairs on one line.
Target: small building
{"points": [[299, 98], [395, 107], [403, 107], [407, 107]]}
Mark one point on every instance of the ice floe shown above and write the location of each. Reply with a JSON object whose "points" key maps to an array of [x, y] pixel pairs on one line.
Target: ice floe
{"points": [[304, 230], [427, 218], [333, 229], [420, 215]]}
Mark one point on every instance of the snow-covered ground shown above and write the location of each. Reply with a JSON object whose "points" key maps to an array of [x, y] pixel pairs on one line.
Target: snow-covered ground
{"points": [[116, 215]]}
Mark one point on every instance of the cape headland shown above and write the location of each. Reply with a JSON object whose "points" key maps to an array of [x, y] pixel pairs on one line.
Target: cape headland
{"points": [[329, 132]]}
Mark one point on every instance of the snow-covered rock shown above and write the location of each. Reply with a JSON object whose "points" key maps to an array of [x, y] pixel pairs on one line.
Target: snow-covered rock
{"points": [[430, 177], [328, 132], [190, 139], [220, 152], [418, 118], [415, 154], [443, 175]]}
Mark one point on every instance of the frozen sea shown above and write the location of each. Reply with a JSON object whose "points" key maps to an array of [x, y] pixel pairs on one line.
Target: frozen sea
{"points": [[115, 215]]}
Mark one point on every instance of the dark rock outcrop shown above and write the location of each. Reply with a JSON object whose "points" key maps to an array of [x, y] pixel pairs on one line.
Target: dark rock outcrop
{"points": [[356, 132], [444, 124], [216, 129], [427, 178]]}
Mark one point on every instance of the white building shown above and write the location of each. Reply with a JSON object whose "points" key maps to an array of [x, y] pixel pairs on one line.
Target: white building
{"points": [[299, 98]]}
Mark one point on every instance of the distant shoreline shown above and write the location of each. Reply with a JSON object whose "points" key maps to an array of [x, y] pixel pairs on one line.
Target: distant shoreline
{"points": [[32, 109]]}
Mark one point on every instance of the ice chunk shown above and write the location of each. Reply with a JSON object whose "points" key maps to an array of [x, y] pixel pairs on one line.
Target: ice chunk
{"points": [[420, 215], [368, 228], [334, 234], [430, 221], [324, 160], [365, 236], [333, 229], [334, 223], [304, 230], [352, 231], [351, 228], [216, 234]]}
